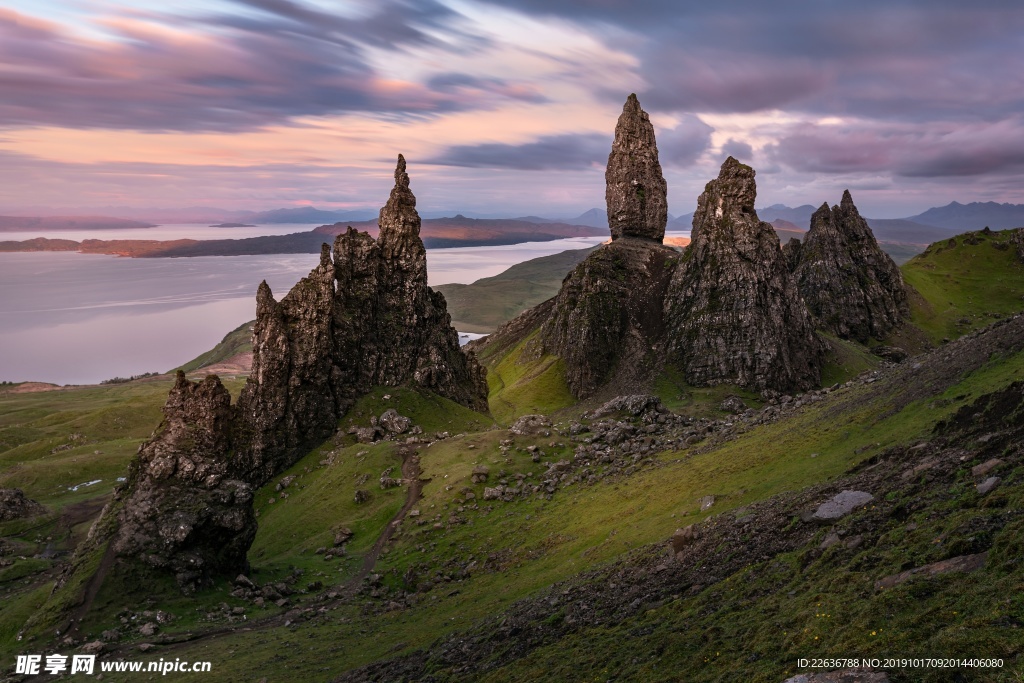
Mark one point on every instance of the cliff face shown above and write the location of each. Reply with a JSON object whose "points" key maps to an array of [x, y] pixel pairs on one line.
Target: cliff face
{"points": [[849, 284], [733, 311], [608, 313], [362, 319], [186, 506]]}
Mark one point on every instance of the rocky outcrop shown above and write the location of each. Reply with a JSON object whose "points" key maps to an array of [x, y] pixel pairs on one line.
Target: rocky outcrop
{"points": [[15, 505], [850, 285], [635, 189], [186, 507], [1018, 239], [607, 317], [733, 312], [363, 318]]}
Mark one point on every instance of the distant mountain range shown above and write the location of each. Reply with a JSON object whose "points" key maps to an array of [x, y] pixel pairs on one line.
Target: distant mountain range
{"points": [[930, 226], [29, 223]]}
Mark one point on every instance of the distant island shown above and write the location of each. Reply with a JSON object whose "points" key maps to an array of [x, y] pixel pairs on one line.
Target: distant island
{"points": [[233, 225]]}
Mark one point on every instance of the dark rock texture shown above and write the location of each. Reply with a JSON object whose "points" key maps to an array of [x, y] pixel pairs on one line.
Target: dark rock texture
{"points": [[607, 318], [733, 312], [15, 505], [635, 189], [362, 319], [366, 318], [1018, 239], [849, 284], [185, 506]]}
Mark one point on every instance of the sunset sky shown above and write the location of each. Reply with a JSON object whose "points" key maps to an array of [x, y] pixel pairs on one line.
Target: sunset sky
{"points": [[504, 107]]}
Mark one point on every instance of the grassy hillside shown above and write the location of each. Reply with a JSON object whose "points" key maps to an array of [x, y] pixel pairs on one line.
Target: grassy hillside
{"points": [[468, 560], [573, 580], [488, 302], [965, 283], [238, 340]]}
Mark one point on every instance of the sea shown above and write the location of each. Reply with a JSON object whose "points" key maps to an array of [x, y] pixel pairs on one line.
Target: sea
{"points": [[69, 318]]}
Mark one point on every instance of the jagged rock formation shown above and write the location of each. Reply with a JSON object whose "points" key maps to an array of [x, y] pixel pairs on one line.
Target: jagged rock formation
{"points": [[849, 284], [362, 319], [15, 505], [365, 319], [185, 506], [1018, 239], [733, 312], [635, 189], [609, 309], [791, 250]]}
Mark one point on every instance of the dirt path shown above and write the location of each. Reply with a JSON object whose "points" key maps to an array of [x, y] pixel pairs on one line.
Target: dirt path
{"points": [[411, 474]]}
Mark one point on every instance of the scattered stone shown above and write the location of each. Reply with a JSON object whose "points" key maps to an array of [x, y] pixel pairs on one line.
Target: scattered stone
{"points": [[393, 422], [149, 629], [682, 538], [985, 467], [493, 493], [480, 474], [733, 404], [530, 424], [841, 505], [636, 404], [362, 496], [964, 563], [842, 676], [706, 502], [245, 582], [146, 647], [14, 505], [285, 483], [342, 536], [986, 486], [93, 648]]}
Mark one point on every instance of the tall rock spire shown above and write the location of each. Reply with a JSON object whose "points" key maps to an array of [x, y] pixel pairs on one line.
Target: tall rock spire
{"points": [[635, 189], [607, 318], [849, 284], [732, 312]]}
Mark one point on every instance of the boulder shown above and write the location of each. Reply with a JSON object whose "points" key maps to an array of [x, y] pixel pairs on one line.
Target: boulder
{"points": [[394, 423], [841, 504], [15, 505]]}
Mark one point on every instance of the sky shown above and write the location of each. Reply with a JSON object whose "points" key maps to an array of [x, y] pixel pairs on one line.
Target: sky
{"points": [[504, 106]]}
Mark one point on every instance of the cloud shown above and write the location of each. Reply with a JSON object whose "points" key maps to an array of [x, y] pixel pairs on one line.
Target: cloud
{"points": [[736, 148], [683, 145], [227, 73], [570, 151], [904, 150]]}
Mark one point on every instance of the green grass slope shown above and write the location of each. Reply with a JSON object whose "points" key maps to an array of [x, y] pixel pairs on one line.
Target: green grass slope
{"points": [[965, 283], [482, 557], [238, 340], [487, 303]]}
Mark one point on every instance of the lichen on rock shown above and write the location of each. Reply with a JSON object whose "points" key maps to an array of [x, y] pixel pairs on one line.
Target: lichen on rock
{"points": [[851, 287], [635, 189], [186, 506], [733, 313]]}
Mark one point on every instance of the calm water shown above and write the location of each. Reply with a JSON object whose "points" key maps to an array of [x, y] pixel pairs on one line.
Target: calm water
{"points": [[165, 232], [73, 318]]}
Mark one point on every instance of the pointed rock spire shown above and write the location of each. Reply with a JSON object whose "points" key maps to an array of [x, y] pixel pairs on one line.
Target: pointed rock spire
{"points": [[849, 284], [399, 222], [635, 190], [732, 311]]}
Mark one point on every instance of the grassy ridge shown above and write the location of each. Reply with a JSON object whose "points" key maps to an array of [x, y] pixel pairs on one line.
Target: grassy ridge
{"points": [[965, 283], [487, 303]]}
